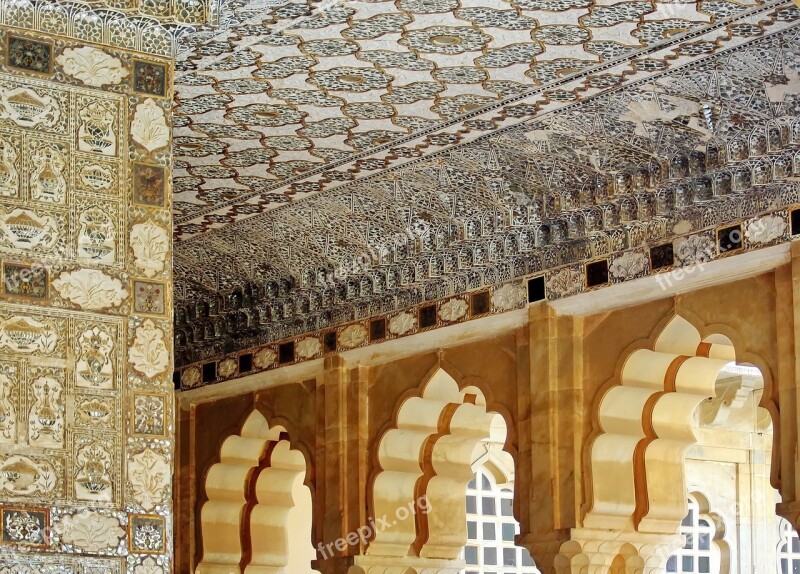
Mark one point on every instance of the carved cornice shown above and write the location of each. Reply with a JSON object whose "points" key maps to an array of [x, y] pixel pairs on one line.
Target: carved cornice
{"points": [[149, 27]]}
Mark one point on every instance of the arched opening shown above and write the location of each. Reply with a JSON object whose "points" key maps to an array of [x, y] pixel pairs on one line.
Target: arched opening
{"points": [[685, 449], [788, 549], [426, 463], [257, 519], [491, 526], [703, 550]]}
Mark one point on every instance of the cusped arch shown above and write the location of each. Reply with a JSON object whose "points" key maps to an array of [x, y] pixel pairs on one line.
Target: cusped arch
{"points": [[257, 519], [429, 453], [646, 424]]}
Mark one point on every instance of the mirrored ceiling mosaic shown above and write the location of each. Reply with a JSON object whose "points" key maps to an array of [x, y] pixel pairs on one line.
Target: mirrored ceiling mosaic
{"points": [[291, 88], [499, 140]]}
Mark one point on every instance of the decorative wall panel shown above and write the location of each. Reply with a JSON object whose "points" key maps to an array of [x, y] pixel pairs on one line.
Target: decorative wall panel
{"points": [[86, 430]]}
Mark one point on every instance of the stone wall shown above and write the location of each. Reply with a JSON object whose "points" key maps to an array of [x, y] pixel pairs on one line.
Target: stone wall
{"points": [[86, 432], [545, 370]]}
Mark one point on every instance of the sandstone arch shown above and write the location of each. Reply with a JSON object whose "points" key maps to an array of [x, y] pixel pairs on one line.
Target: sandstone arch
{"points": [[257, 519], [646, 425], [429, 454]]}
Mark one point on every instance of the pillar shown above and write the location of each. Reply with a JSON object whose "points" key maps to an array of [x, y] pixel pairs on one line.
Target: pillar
{"points": [[788, 382], [86, 403], [343, 452], [552, 453]]}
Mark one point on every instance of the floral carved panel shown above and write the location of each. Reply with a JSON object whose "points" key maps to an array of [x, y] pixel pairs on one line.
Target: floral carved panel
{"points": [[85, 382]]}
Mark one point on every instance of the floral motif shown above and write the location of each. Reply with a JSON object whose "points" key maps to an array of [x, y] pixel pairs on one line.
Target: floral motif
{"points": [[561, 34], [148, 566], [97, 129], [628, 266], [227, 367], [150, 244], [90, 531], [453, 310], [264, 358], [695, 249], [147, 534], [149, 354], [308, 347], [92, 66], [402, 323], [48, 181], [46, 418], [149, 127], [90, 289], [149, 478], [93, 480], [352, 336], [27, 335], [565, 282], [509, 296], [190, 377], [94, 348], [766, 229]]}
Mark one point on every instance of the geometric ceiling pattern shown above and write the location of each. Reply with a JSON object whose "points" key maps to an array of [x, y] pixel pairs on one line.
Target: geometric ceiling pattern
{"points": [[262, 103], [615, 126]]}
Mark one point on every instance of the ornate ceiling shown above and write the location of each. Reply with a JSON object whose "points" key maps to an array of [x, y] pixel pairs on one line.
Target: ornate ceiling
{"points": [[378, 154]]}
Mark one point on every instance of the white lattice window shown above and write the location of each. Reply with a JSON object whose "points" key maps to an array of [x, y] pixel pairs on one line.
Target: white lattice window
{"points": [[698, 555], [491, 529], [788, 550]]}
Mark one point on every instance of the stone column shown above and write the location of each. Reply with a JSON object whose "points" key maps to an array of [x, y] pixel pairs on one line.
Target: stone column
{"points": [[549, 484], [342, 471], [787, 383], [86, 403]]}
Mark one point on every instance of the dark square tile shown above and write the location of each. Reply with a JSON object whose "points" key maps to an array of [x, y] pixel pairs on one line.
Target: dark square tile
{"points": [[662, 256], [597, 273], [25, 281], [480, 303], [148, 297], [427, 316], [729, 238], [377, 329], [24, 526], [30, 55], [149, 414], [795, 221], [149, 78], [536, 289], [329, 342], [149, 184], [209, 372], [246, 363], [147, 534], [286, 352]]}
